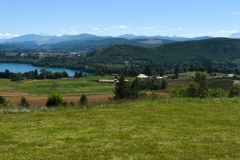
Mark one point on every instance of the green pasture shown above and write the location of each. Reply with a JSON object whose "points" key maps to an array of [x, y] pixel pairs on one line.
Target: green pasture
{"points": [[90, 85], [160, 129], [66, 86]]}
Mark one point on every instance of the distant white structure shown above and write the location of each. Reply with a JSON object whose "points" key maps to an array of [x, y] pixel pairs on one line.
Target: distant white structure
{"points": [[163, 77], [142, 76], [230, 75]]}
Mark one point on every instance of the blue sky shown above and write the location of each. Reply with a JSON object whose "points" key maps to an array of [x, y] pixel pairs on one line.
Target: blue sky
{"points": [[188, 18]]}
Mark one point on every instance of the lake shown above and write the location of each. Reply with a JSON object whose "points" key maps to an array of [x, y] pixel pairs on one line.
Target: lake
{"points": [[19, 67]]}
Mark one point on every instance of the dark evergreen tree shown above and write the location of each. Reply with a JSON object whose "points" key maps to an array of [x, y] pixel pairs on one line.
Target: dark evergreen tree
{"points": [[35, 73], [164, 84], [76, 75], [201, 80], [236, 71], [24, 102], [161, 71], [122, 89], [176, 71], [7, 73], [135, 88], [210, 69], [83, 100], [147, 70], [80, 74], [2, 100]]}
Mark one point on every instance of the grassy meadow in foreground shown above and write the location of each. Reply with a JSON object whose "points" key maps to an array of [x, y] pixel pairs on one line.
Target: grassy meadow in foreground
{"points": [[159, 129]]}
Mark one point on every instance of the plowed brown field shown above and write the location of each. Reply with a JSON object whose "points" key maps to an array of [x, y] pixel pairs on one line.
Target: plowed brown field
{"points": [[33, 100]]}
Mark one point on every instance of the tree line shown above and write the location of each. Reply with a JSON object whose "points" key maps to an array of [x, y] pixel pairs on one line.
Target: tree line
{"points": [[43, 74]]}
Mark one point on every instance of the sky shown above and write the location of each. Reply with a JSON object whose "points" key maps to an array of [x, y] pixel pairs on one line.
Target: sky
{"points": [[185, 18]]}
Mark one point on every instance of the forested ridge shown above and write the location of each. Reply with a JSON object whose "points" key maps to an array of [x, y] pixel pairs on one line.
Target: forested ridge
{"points": [[221, 54]]}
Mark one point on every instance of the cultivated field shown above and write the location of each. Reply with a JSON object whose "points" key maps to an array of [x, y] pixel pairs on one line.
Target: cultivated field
{"points": [[36, 91]]}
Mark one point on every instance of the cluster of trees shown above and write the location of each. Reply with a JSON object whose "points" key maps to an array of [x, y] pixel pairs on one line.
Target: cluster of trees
{"points": [[23, 102], [44, 74], [198, 88], [127, 90], [55, 99], [153, 83], [78, 74]]}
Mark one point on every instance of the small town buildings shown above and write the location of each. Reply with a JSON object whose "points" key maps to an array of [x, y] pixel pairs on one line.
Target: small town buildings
{"points": [[107, 81], [142, 76], [163, 77]]}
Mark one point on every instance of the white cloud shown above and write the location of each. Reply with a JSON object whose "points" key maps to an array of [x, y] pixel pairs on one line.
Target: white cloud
{"points": [[123, 27], [235, 25], [63, 30], [59, 35], [96, 29], [176, 29], [120, 27], [9, 35], [179, 29], [212, 32], [106, 29], [148, 28], [222, 31], [230, 32]]}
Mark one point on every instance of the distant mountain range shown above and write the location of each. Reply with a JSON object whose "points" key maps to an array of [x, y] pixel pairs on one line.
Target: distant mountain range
{"points": [[42, 39], [45, 39], [235, 35]]}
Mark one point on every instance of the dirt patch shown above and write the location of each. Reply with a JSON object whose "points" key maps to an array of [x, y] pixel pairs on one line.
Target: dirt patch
{"points": [[12, 94], [33, 100]]}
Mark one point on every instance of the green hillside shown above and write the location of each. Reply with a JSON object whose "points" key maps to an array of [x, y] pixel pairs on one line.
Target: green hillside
{"points": [[117, 53], [216, 49]]}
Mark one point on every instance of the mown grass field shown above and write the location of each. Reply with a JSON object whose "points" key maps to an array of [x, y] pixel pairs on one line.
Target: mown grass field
{"points": [[160, 129]]}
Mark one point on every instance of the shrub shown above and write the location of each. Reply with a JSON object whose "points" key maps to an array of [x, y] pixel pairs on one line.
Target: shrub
{"points": [[216, 93], [154, 96], [2, 100], [54, 99], [192, 90], [234, 91], [24, 102], [83, 100], [178, 92], [72, 103]]}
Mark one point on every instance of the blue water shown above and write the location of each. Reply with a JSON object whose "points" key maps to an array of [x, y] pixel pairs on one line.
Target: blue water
{"points": [[19, 67]]}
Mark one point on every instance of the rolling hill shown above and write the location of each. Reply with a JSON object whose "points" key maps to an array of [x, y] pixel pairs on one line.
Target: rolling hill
{"points": [[212, 49]]}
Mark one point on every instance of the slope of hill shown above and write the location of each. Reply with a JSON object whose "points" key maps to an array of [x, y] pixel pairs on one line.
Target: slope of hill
{"points": [[212, 49], [91, 45], [173, 38], [118, 54]]}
